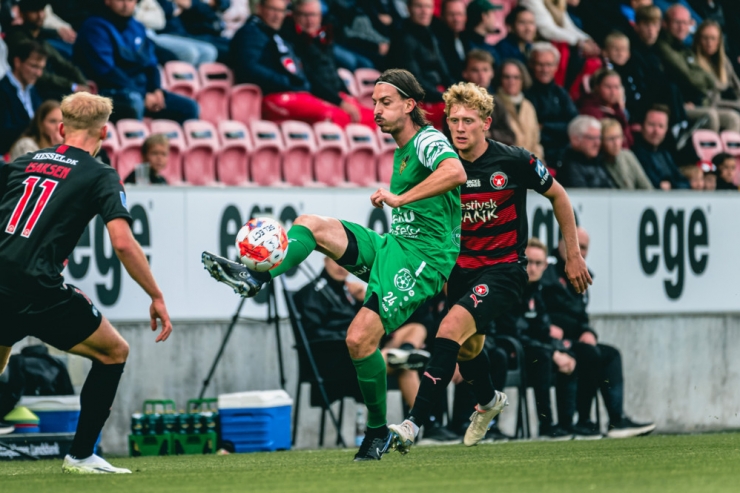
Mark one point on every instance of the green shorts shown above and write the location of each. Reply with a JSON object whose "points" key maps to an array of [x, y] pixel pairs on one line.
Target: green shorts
{"points": [[401, 279]]}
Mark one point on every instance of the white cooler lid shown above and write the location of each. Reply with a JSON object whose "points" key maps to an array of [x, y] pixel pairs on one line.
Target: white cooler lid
{"points": [[258, 399], [51, 402]]}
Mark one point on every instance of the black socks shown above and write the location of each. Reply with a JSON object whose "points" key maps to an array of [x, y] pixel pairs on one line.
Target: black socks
{"points": [[435, 379]]}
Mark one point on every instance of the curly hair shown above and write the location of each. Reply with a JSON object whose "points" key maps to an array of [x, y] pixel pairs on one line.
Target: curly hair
{"points": [[470, 96]]}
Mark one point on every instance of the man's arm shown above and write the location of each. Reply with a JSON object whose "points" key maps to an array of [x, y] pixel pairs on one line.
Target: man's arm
{"points": [[132, 257], [575, 266], [449, 175]]}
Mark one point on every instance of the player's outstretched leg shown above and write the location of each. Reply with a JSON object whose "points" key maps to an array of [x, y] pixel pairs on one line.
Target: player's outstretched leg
{"points": [[108, 351]]}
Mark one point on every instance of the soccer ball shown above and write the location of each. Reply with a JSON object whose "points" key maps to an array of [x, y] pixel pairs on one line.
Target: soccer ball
{"points": [[262, 244]]}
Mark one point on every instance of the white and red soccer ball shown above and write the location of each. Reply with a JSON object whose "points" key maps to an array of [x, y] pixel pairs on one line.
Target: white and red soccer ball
{"points": [[262, 244]]}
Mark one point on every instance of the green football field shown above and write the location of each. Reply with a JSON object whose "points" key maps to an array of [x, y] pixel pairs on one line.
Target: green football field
{"points": [[674, 464]]}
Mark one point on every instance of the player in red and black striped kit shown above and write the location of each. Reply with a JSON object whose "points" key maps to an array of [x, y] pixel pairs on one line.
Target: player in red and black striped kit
{"points": [[490, 274], [47, 198]]}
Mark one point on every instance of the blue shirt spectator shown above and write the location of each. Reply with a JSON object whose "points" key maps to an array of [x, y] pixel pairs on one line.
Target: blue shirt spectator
{"points": [[522, 32]]}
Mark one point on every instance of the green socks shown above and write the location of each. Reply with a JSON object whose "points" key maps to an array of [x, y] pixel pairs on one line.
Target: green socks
{"points": [[374, 386], [300, 245]]}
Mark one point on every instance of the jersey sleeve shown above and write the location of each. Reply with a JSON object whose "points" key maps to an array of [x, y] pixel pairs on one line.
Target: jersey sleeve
{"points": [[432, 147], [533, 173], [110, 197]]}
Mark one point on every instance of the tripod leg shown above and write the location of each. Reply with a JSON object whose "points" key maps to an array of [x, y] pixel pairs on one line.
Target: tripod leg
{"points": [[220, 353]]}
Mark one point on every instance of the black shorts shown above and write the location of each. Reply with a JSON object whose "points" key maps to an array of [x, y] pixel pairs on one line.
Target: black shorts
{"points": [[61, 317], [487, 293]]}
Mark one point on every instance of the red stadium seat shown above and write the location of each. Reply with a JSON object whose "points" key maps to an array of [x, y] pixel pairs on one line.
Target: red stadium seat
{"points": [[268, 153], [362, 153], [111, 145], [233, 160], [298, 153], [216, 80], [349, 80], [181, 78], [328, 159], [707, 144], [365, 79], [245, 103], [199, 162], [131, 135], [387, 147], [173, 132]]}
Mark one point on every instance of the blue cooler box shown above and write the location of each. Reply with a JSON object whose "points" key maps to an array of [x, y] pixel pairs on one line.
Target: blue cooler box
{"points": [[256, 421], [57, 413]]}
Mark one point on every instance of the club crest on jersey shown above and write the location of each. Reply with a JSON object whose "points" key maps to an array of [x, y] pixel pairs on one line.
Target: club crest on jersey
{"points": [[403, 280], [499, 180], [481, 290], [456, 236], [403, 166]]}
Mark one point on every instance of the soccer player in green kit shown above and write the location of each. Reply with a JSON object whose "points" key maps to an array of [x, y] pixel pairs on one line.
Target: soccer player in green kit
{"points": [[403, 268]]}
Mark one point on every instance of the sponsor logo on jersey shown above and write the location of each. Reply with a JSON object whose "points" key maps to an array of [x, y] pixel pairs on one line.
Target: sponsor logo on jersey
{"points": [[53, 156], [123, 199], [540, 169], [499, 180], [481, 290], [403, 166], [475, 300], [475, 211], [403, 280], [473, 183]]}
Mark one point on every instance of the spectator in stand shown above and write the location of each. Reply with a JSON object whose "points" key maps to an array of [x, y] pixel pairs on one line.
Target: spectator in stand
{"points": [[606, 101], [709, 48], [73, 13], [18, 97], [65, 34], [530, 324], [479, 70], [156, 151], [453, 41], [43, 131], [582, 166], [710, 176], [726, 171], [314, 46], [694, 175], [521, 114], [112, 49], [60, 76], [202, 21], [364, 28], [168, 33], [4, 66], [602, 17], [551, 102], [638, 90], [415, 49], [481, 21], [522, 33], [697, 86], [622, 164], [599, 365], [655, 159]]}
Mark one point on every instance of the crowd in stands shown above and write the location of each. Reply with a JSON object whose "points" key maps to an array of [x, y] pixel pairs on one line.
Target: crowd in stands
{"points": [[661, 69]]}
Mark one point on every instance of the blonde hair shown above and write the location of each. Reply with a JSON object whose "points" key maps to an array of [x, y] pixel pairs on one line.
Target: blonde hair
{"points": [[616, 36], [470, 96], [535, 242], [85, 111], [714, 64], [153, 140], [609, 123]]}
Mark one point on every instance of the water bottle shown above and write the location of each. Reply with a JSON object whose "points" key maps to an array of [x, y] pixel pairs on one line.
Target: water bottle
{"points": [[137, 424], [359, 426]]}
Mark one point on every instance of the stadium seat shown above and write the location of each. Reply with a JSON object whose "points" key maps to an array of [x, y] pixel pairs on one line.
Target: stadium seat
{"points": [[349, 80], [362, 152], [706, 144], [233, 159], [215, 80], [245, 103], [328, 159], [298, 153], [730, 142], [131, 135], [365, 79], [111, 145], [267, 155], [199, 162], [181, 78], [173, 132], [387, 148]]}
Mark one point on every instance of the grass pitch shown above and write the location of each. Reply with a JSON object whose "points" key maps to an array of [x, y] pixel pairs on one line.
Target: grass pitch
{"points": [[675, 464]]}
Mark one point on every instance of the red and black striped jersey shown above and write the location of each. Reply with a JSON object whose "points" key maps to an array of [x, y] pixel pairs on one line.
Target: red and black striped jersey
{"points": [[494, 205], [47, 198]]}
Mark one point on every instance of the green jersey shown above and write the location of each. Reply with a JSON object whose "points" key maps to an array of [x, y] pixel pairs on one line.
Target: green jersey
{"points": [[426, 227]]}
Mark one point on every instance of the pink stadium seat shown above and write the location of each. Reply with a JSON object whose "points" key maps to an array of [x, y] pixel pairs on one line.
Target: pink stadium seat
{"points": [[131, 135], [233, 159], [245, 103], [387, 147], [365, 79], [111, 145], [362, 152], [298, 153], [178, 146], [707, 144], [199, 162], [349, 80], [216, 80], [328, 160], [181, 78], [267, 154]]}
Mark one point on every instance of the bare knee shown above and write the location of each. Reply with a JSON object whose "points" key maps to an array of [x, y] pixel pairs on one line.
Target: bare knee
{"points": [[115, 355]]}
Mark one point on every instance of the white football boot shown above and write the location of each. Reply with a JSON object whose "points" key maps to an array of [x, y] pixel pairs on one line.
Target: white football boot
{"points": [[481, 419], [404, 436], [91, 465]]}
